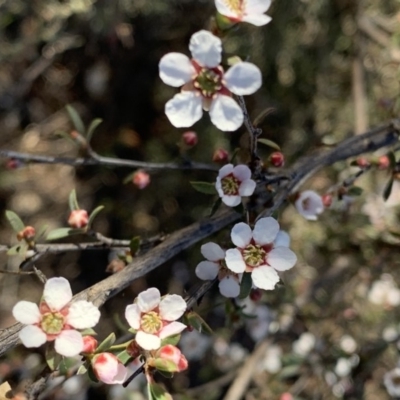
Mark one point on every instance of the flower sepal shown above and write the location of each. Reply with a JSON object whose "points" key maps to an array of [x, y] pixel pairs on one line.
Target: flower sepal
{"points": [[172, 340], [194, 320], [245, 285], [164, 365], [157, 392], [53, 359], [106, 343]]}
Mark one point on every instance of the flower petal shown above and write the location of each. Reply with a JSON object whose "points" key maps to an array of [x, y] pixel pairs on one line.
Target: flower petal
{"points": [[176, 69], [69, 343], [257, 6], [234, 261], [247, 187], [212, 251], [226, 114], [149, 299], [207, 270], [257, 19], [26, 312], [132, 315], [231, 200], [281, 258], [172, 307], [83, 314], [229, 287], [184, 109], [243, 78], [57, 293], [309, 204], [265, 230], [224, 8], [147, 341], [32, 336], [206, 48], [282, 239], [172, 329], [242, 172], [226, 170], [241, 235], [109, 369], [265, 277]]}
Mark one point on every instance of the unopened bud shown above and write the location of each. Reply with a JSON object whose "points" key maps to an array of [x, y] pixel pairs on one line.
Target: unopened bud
{"points": [[141, 179], [28, 233], [327, 200], [383, 162], [362, 162], [277, 159], [255, 295], [190, 138], [78, 219], [220, 156], [172, 353], [89, 344], [12, 164]]}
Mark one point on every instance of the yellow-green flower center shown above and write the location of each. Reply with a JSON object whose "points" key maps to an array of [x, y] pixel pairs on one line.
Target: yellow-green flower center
{"points": [[236, 5], [254, 255], [151, 322], [208, 82], [230, 185], [52, 323]]}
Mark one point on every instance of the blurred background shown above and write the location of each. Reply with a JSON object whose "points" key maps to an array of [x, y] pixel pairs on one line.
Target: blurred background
{"points": [[330, 70]]}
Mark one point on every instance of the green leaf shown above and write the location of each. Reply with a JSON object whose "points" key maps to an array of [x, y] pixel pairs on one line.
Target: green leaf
{"points": [[245, 285], [128, 178], [174, 340], [92, 127], [93, 214], [165, 365], [235, 153], [92, 376], [106, 343], [388, 189], [134, 245], [215, 207], [53, 359], [269, 143], [59, 233], [41, 231], [124, 357], [157, 392], [204, 187], [193, 319], [392, 160], [73, 201], [13, 251], [260, 117], [15, 221], [81, 370], [88, 332], [355, 191], [76, 119]]}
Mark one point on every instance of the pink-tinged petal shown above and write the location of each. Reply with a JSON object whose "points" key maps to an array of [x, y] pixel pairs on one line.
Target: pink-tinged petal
{"points": [[265, 230], [309, 204], [184, 109], [257, 6], [257, 19], [26, 312], [229, 287], [243, 78], [218, 186], [176, 69], [265, 277], [282, 239], [226, 114], [109, 369], [281, 258], [172, 307], [57, 293], [207, 270], [247, 188], [241, 235], [212, 251], [234, 261], [148, 300], [224, 8], [32, 336], [225, 170], [83, 314], [132, 315], [172, 329], [69, 343], [206, 48], [147, 341], [231, 201], [242, 172]]}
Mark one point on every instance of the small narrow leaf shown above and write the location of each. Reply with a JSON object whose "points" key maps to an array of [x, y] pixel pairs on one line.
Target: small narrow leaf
{"points": [[124, 357], [53, 359], [76, 119], [269, 143], [355, 191], [59, 233], [157, 392], [94, 214], [235, 153], [128, 178], [215, 207], [204, 187], [193, 319], [73, 201], [13, 251], [134, 245], [392, 160], [81, 370], [15, 221], [174, 340], [42, 230], [106, 343], [92, 127], [388, 189], [245, 285]]}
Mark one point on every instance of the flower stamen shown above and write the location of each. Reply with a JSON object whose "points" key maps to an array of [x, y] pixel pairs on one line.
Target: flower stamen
{"points": [[151, 322]]}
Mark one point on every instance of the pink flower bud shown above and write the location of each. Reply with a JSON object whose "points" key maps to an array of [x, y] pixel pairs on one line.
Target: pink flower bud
{"points": [[28, 233], [12, 163], [277, 159], [327, 200], [78, 219], [172, 353], [383, 162], [109, 369], [141, 179], [190, 138], [220, 156], [255, 294], [362, 162], [286, 396], [89, 344]]}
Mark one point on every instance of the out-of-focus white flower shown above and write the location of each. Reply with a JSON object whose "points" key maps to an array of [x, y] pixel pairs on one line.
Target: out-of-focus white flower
{"points": [[154, 317], [251, 11], [109, 369], [384, 292], [255, 253], [390, 334], [233, 183], [309, 204], [272, 362], [343, 367], [194, 345], [56, 319], [304, 344], [348, 344], [258, 326], [391, 381], [205, 85], [215, 267]]}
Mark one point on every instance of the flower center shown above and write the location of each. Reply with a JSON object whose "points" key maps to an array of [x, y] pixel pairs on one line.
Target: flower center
{"points": [[306, 204], [230, 185], [52, 323], [208, 82], [254, 255], [151, 322], [236, 5]]}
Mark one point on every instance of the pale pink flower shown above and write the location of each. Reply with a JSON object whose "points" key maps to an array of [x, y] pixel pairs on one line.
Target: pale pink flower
{"points": [[309, 204], [256, 253], [78, 219], [154, 317], [233, 183], [56, 319], [205, 85], [215, 267], [109, 369], [141, 179], [251, 11]]}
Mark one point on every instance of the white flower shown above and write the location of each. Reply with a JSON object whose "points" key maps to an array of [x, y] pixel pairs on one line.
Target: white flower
{"points": [[233, 183], [109, 369], [154, 317], [309, 204], [205, 84], [272, 362], [256, 253], [215, 267], [384, 292], [55, 319], [251, 11], [304, 344], [343, 367], [391, 381], [194, 345]]}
